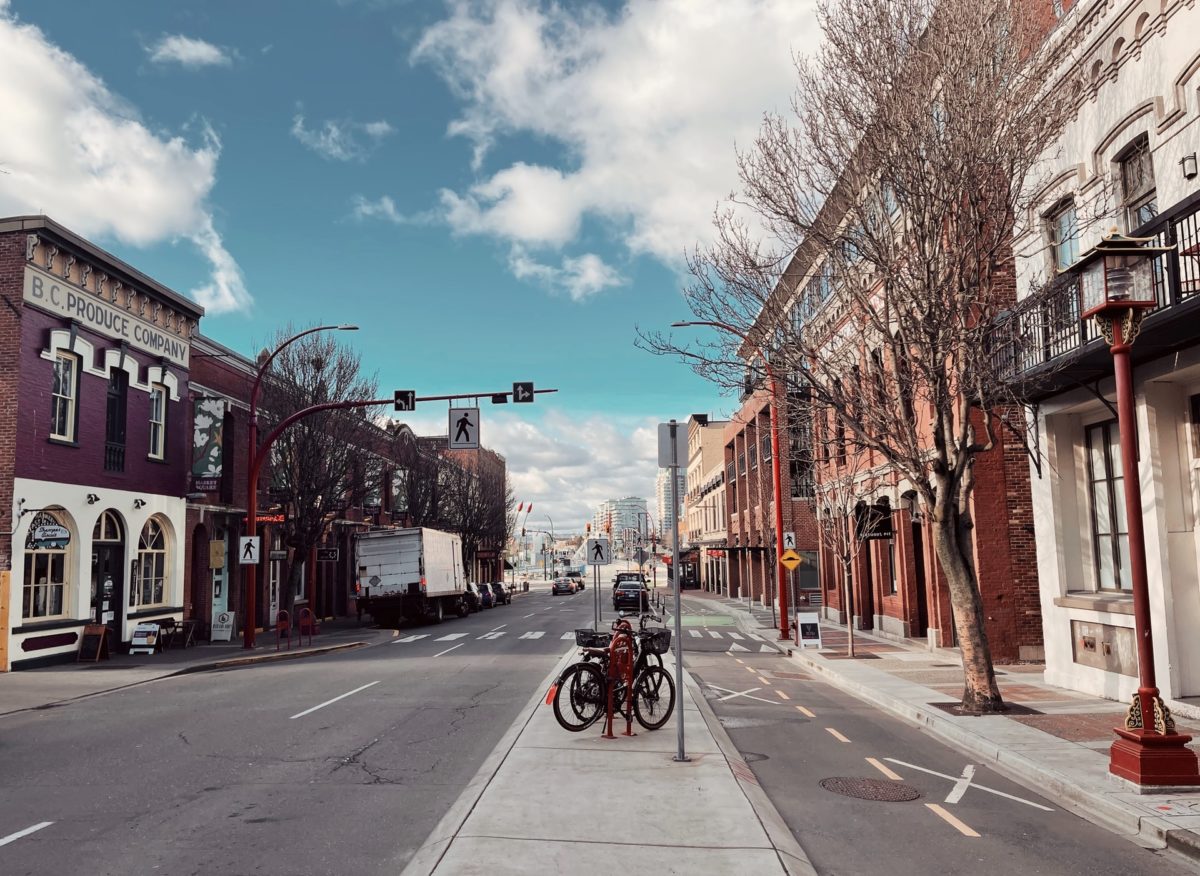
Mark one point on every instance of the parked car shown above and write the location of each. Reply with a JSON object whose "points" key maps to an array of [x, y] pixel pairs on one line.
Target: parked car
{"points": [[486, 598], [562, 585], [503, 597], [631, 594], [471, 597]]}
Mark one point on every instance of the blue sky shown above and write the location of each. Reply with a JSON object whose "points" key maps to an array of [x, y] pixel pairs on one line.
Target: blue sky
{"points": [[494, 191]]}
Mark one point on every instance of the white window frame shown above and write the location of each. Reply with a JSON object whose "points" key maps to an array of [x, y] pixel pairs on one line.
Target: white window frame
{"points": [[1060, 245], [158, 426], [31, 589], [69, 400], [153, 570]]}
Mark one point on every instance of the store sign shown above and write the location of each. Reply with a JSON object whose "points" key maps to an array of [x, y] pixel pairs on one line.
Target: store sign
{"points": [[49, 535], [222, 627], [145, 638], [56, 296], [208, 423], [809, 624]]}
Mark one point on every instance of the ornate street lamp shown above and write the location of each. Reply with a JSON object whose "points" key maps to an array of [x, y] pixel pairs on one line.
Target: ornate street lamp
{"points": [[1116, 286]]}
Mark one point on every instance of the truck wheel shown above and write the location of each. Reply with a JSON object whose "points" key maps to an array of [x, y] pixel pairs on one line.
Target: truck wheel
{"points": [[461, 608], [437, 611]]}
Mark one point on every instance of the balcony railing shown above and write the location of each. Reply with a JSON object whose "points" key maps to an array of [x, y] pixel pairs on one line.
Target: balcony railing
{"points": [[114, 456], [1047, 326]]}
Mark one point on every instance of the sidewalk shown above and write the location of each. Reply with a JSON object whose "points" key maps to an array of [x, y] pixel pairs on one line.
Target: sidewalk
{"points": [[551, 801], [1056, 742], [53, 685]]}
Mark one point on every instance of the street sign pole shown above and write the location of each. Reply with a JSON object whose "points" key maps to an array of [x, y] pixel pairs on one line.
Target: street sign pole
{"points": [[680, 755], [596, 595]]}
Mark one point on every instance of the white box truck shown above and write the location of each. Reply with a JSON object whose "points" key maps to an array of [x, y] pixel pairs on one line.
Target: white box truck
{"points": [[415, 573]]}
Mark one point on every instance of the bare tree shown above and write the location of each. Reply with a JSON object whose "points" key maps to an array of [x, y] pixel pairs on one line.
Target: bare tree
{"points": [[316, 465], [477, 503], [417, 481], [869, 251]]}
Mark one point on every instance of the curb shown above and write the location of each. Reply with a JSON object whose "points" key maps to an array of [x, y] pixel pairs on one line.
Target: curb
{"points": [[791, 854], [234, 662], [429, 854]]}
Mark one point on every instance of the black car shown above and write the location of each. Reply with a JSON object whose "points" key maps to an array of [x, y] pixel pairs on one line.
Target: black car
{"points": [[471, 598], [503, 597], [631, 594]]}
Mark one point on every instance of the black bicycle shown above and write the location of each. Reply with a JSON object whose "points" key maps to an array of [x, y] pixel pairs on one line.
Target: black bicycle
{"points": [[581, 695]]}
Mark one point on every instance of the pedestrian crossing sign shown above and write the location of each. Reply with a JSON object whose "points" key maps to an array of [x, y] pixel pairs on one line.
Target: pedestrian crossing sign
{"points": [[791, 559], [599, 551]]}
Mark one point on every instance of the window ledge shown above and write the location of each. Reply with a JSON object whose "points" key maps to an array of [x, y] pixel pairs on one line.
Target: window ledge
{"points": [[154, 611], [1097, 602], [32, 625], [62, 442]]}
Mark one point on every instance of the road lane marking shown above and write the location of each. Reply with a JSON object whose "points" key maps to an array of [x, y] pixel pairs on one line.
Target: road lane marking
{"points": [[838, 736], [805, 711], [12, 837], [737, 694], [950, 819], [736, 647], [448, 650], [782, 695], [494, 634], [740, 660], [493, 629], [451, 637], [410, 638], [566, 636], [913, 766], [742, 693], [763, 680], [891, 774], [735, 636], [528, 616], [695, 634], [332, 701], [714, 634], [535, 635], [960, 787], [752, 670]]}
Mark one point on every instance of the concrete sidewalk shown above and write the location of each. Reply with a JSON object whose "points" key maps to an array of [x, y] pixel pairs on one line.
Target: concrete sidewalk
{"points": [[53, 685], [551, 801], [1057, 744]]}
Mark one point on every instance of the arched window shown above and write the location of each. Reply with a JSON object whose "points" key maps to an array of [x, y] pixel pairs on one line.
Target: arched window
{"points": [[45, 583], [149, 579], [108, 528]]}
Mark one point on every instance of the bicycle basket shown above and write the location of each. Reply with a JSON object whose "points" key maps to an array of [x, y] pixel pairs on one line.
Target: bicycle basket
{"points": [[592, 639], [658, 641]]}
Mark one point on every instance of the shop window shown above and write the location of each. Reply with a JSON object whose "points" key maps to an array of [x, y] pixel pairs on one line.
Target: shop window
{"points": [[149, 579], [1063, 226], [45, 584], [64, 395], [158, 420], [1106, 492], [114, 421], [1138, 193]]}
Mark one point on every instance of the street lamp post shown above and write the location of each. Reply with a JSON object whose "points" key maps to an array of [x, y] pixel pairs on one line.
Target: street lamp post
{"points": [[776, 477], [1116, 287], [251, 595]]}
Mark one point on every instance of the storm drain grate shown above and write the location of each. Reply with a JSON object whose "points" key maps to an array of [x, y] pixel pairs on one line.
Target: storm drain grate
{"points": [[871, 789]]}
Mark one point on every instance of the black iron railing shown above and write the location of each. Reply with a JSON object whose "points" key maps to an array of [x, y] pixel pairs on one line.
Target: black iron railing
{"points": [[114, 456]]}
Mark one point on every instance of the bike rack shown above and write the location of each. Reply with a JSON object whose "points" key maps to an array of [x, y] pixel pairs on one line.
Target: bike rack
{"points": [[283, 625], [620, 664], [308, 624]]}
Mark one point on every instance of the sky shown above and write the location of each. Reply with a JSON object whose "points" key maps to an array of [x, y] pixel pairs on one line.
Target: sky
{"points": [[493, 190]]}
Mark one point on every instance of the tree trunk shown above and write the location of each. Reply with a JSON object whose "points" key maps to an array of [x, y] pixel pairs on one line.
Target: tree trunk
{"points": [[287, 598], [849, 607], [980, 692]]}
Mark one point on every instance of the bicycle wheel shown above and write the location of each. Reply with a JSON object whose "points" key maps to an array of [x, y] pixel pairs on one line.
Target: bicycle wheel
{"points": [[579, 700], [653, 697]]}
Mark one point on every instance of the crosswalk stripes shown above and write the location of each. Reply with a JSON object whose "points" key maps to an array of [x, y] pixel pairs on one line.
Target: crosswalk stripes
{"points": [[736, 647], [566, 636], [695, 634], [534, 635], [714, 634], [735, 636], [494, 634], [411, 638], [450, 637]]}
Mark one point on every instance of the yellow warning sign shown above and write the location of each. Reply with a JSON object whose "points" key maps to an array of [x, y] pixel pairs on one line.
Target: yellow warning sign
{"points": [[790, 559]]}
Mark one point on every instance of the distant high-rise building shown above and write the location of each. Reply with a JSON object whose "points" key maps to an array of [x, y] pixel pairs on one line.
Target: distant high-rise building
{"points": [[662, 488], [624, 516]]}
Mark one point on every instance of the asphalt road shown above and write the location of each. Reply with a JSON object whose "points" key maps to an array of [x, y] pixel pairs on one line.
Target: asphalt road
{"points": [[795, 731], [340, 764]]}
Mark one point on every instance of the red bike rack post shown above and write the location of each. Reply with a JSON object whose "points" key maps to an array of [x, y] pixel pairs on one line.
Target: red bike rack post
{"points": [[307, 623], [283, 624], [620, 665]]}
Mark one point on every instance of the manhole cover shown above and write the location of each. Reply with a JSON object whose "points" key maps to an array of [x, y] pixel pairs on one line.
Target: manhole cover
{"points": [[871, 789]]}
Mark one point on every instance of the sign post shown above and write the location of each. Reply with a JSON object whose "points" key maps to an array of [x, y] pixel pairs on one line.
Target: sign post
{"points": [[672, 443], [599, 553]]}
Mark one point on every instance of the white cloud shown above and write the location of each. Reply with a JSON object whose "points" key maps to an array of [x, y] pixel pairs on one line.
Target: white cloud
{"points": [[339, 140], [564, 464], [579, 276], [646, 103], [384, 208], [77, 152], [189, 52]]}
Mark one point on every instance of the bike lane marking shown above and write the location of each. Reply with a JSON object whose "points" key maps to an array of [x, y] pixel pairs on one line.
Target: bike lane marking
{"points": [[960, 787], [332, 701], [891, 774], [805, 711], [950, 820], [836, 735], [13, 837], [972, 784]]}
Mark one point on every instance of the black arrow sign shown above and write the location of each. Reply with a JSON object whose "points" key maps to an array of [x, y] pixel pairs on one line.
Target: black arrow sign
{"points": [[523, 392], [406, 400]]}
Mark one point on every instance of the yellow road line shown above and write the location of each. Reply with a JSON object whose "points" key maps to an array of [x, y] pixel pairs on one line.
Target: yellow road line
{"points": [[838, 736], [891, 774], [740, 660], [950, 819], [782, 695], [805, 711], [763, 680], [752, 670]]}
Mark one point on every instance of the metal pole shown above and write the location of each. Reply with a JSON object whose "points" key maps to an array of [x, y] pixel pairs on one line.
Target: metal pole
{"points": [[680, 755], [596, 595]]}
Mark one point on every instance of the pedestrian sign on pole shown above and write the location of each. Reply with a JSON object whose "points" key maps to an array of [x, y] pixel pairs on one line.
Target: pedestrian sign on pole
{"points": [[248, 550], [464, 428], [789, 541], [791, 559], [599, 551]]}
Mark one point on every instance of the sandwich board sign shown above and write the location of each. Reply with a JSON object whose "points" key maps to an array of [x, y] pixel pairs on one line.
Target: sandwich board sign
{"points": [[599, 551], [809, 624]]}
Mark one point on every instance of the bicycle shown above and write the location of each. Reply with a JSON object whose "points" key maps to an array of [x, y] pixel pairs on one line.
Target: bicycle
{"points": [[584, 686]]}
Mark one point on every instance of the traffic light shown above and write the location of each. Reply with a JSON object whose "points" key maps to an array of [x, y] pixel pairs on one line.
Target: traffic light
{"points": [[588, 528], [522, 532]]}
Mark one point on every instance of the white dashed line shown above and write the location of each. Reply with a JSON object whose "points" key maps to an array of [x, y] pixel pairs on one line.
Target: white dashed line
{"points": [[332, 701], [26, 832]]}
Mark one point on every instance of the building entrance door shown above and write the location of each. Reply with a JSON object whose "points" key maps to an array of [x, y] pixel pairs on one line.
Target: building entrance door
{"points": [[108, 574], [219, 591]]}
